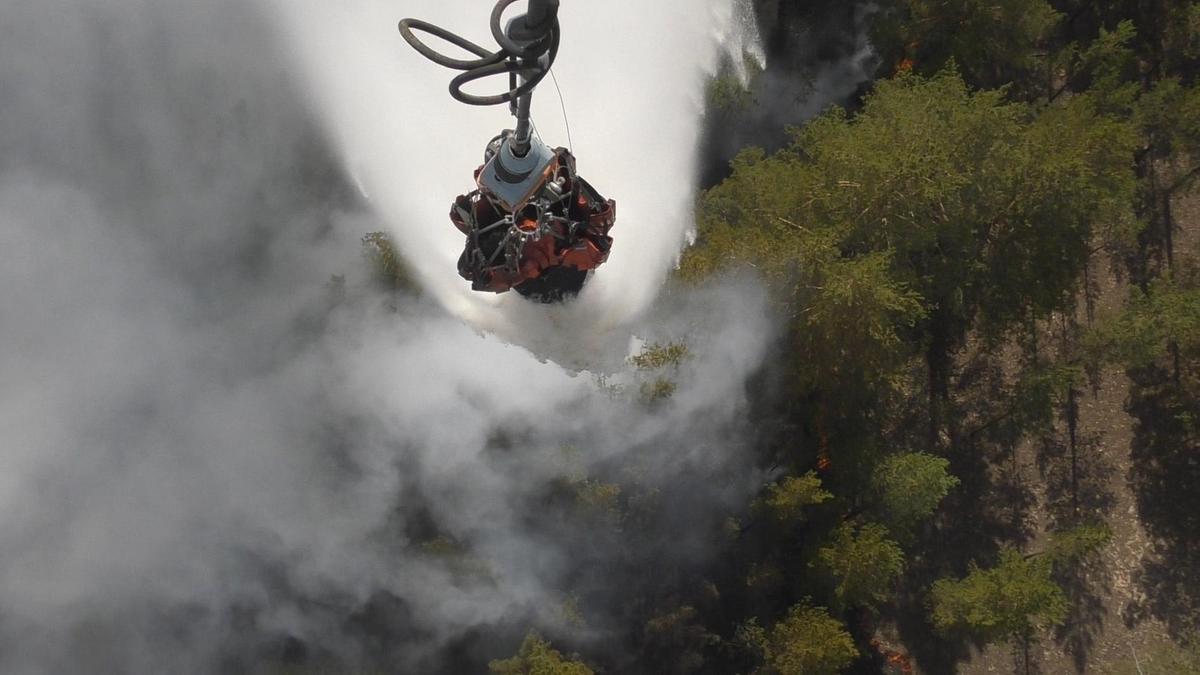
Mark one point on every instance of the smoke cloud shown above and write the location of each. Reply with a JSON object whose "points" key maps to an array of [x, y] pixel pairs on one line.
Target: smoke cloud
{"points": [[815, 55], [222, 449]]}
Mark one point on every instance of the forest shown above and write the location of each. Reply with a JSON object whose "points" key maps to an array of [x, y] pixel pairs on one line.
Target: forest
{"points": [[981, 420], [894, 369]]}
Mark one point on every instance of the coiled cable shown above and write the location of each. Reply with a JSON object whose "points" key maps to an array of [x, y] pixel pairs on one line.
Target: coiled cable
{"points": [[513, 58]]}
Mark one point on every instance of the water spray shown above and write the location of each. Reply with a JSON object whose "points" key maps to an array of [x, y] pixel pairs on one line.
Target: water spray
{"points": [[533, 224]]}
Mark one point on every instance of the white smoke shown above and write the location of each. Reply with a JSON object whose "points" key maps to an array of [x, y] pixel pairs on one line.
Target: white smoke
{"points": [[825, 58], [209, 453]]}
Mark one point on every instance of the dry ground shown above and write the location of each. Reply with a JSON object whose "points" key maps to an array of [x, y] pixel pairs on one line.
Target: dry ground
{"points": [[1111, 626]]}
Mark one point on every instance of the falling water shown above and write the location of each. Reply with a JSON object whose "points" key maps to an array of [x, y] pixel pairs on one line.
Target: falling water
{"points": [[632, 76]]}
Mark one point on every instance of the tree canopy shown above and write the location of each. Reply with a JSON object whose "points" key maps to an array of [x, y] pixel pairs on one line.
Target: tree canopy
{"points": [[1012, 600], [806, 642], [537, 657], [863, 563]]}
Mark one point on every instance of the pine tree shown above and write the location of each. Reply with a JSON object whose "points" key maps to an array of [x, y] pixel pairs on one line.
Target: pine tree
{"points": [[537, 657], [806, 642], [863, 563], [910, 486], [1011, 601]]}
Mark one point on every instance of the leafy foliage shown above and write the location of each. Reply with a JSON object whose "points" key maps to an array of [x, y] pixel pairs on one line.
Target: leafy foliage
{"points": [[655, 356], [1168, 314], [389, 266], [537, 657], [979, 209], [864, 564], [806, 642], [994, 41], [910, 486], [681, 638], [1015, 599], [599, 498], [1071, 545], [657, 390], [788, 498], [729, 90], [1169, 113], [956, 210]]}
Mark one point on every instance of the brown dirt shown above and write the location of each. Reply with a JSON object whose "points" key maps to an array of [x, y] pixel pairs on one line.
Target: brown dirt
{"points": [[1107, 631]]}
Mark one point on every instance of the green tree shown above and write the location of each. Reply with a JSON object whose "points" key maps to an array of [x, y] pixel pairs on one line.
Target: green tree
{"points": [[652, 363], [995, 42], [656, 356], [1013, 600], [787, 499], [537, 657], [910, 486], [1169, 115], [387, 263], [1103, 68], [1168, 31], [1140, 63], [676, 641], [1164, 318], [978, 209], [729, 91], [1069, 546], [806, 642], [863, 563]]}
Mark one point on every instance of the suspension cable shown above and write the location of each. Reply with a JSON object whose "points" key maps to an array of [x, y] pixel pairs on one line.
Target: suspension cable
{"points": [[528, 52]]}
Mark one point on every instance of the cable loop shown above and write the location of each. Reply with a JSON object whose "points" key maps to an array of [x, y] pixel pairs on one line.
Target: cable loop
{"points": [[512, 58]]}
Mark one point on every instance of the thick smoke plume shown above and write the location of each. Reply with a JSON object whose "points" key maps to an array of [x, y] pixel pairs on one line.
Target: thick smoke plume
{"points": [[221, 449]]}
